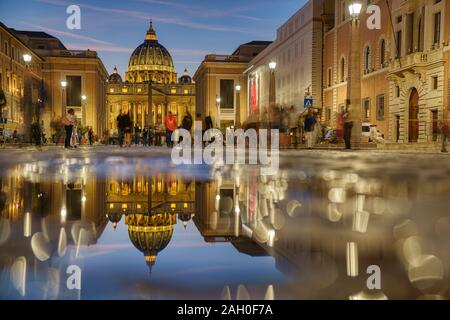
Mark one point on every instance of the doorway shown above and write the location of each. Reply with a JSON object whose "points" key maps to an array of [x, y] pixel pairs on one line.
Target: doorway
{"points": [[414, 116], [435, 126]]}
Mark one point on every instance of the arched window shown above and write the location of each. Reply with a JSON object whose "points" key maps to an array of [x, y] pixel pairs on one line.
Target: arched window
{"points": [[367, 58], [342, 70], [383, 53]]}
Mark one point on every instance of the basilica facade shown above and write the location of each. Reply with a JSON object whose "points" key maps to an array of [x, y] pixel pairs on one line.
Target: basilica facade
{"points": [[150, 89]]}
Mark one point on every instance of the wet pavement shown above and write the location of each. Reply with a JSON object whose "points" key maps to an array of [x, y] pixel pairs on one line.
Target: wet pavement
{"points": [[138, 227]]}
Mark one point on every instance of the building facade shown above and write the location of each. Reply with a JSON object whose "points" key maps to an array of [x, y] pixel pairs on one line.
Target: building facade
{"points": [[221, 85], [20, 81], [84, 74], [297, 52], [404, 68], [151, 89]]}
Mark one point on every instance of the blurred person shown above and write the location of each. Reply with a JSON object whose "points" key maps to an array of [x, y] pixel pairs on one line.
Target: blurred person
{"points": [[128, 128], [91, 136], [170, 122], [445, 131], [69, 122], [145, 137], [310, 124], [348, 126], [293, 124]]}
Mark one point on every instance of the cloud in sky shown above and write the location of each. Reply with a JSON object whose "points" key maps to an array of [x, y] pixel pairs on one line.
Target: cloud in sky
{"points": [[157, 18], [65, 33]]}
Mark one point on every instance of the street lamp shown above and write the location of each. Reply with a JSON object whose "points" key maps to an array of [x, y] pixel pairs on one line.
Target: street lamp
{"points": [[218, 101], [355, 9], [63, 84], [238, 106], [354, 78], [27, 58], [83, 97], [272, 94]]}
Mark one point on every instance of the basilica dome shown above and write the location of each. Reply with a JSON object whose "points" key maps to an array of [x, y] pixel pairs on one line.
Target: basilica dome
{"points": [[151, 61], [115, 77], [150, 233]]}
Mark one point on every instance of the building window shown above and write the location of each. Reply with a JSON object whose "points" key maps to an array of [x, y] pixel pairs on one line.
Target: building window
{"points": [[366, 109], [342, 70], [173, 91], [73, 95], [367, 59], [328, 115], [397, 91], [380, 107], [226, 94], [399, 44], [383, 53], [111, 90], [186, 91], [330, 80], [435, 82], [437, 28]]}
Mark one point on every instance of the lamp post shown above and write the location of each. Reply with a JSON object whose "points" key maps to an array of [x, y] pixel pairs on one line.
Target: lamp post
{"points": [[83, 108], [30, 113], [218, 101], [354, 77], [238, 106], [272, 93]]}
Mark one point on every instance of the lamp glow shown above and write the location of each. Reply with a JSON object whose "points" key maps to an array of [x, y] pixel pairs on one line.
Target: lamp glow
{"points": [[63, 84], [272, 65], [355, 9], [238, 88], [27, 58], [83, 97]]}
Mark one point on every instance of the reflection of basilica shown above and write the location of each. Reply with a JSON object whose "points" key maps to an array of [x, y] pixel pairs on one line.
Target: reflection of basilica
{"points": [[151, 206], [151, 88]]}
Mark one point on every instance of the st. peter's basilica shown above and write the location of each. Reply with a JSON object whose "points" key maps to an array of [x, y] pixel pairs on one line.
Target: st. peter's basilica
{"points": [[150, 66]]}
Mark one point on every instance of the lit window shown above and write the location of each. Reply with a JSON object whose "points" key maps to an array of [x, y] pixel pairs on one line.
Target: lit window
{"points": [[186, 91], [173, 90], [124, 89], [111, 90], [139, 90]]}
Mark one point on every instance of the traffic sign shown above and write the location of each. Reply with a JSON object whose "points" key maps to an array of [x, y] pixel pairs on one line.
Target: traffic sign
{"points": [[309, 103]]}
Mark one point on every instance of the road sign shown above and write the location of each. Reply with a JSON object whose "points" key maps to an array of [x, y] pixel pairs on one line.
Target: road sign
{"points": [[309, 103]]}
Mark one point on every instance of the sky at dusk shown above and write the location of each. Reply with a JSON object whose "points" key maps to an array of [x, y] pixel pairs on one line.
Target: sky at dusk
{"points": [[189, 29]]}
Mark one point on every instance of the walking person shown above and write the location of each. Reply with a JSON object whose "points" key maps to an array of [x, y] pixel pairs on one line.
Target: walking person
{"points": [[69, 122], [91, 137], [170, 121], [121, 128], [137, 135], [293, 125], [186, 124], [445, 130], [128, 127], [310, 123], [348, 126], [145, 137]]}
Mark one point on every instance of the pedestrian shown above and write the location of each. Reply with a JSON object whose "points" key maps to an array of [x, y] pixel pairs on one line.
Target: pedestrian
{"points": [[121, 128], [91, 136], [186, 124], [310, 123], [445, 130], [293, 124], [137, 134], [145, 137], [69, 121], [128, 127], [348, 126], [170, 122]]}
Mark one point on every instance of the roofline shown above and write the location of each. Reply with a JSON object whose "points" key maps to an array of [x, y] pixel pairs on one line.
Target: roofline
{"points": [[20, 40]]}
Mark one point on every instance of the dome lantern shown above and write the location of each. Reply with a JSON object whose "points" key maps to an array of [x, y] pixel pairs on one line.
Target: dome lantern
{"points": [[151, 34]]}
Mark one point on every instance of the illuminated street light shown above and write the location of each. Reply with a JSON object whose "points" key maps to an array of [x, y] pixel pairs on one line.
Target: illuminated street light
{"points": [[218, 100], [355, 9], [64, 84], [238, 88], [272, 65], [27, 58], [83, 97]]}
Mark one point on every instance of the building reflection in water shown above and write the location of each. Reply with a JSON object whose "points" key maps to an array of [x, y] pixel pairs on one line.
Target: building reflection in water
{"points": [[323, 228], [151, 206]]}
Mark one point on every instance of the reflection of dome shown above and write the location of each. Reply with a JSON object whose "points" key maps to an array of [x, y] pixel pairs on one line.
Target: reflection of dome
{"points": [[114, 218], [150, 234], [186, 78], [185, 217], [115, 77], [151, 62]]}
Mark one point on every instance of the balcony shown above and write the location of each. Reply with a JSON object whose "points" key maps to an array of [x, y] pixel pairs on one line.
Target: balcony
{"points": [[415, 63]]}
